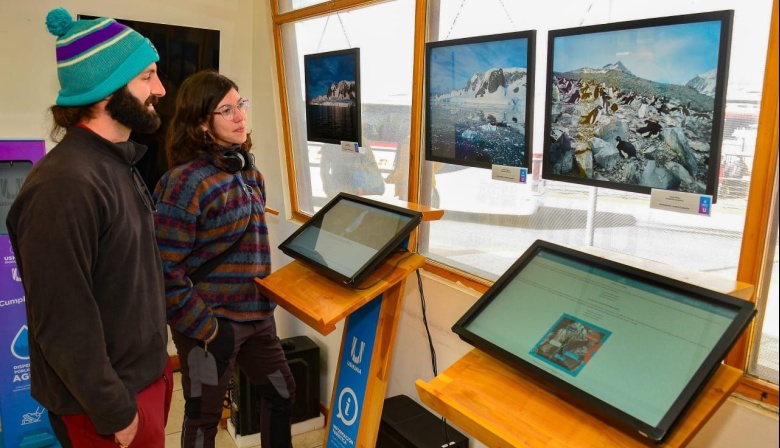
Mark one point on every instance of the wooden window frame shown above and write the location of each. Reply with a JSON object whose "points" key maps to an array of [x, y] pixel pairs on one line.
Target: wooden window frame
{"points": [[758, 211]]}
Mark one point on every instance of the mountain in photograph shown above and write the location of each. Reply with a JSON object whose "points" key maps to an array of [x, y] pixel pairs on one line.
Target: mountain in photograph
{"points": [[616, 74], [617, 66], [339, 93], [704, 83], [495, 86], [486, 117]]}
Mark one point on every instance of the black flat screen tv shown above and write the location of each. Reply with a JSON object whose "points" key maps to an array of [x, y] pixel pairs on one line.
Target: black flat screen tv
{"points": [[350, 236], [632, 347], [183, 51]]}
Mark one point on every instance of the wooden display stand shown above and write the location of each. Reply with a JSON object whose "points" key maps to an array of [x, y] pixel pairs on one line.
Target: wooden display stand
{"points": [[371, 315], [502, 407]]}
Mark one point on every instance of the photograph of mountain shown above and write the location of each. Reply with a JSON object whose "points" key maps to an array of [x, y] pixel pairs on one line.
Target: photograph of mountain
{"points": [[638, 105], [333, 96], [478, 100]]}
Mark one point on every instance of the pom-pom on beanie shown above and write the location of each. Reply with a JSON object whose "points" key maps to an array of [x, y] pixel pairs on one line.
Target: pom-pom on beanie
{"points": [[95, 58]]}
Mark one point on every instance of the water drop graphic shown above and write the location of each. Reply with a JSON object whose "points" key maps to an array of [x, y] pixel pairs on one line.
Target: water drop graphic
{"points": [[20, 347]]}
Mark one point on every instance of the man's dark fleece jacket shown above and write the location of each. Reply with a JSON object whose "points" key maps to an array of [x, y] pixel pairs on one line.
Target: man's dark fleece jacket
{"points": [[85, 245]]}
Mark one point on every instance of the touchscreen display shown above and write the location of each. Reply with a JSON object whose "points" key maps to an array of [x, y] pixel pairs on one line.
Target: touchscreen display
{"points": [[633, 343], [348, 234]]}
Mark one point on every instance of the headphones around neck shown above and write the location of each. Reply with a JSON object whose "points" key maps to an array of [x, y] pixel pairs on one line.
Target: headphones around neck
{"points": [[235, 160]]}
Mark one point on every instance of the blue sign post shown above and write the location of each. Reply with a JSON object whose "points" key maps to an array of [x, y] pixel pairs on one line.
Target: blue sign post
{"points": [[353, 375], [25, 421]]}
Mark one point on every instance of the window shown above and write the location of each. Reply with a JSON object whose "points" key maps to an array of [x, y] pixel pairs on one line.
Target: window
{"points": [[384, 34], [488, 223], [763, 359], [493, 222], [760, 355]]}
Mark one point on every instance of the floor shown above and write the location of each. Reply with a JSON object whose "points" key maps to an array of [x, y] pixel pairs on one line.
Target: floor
{"points": [[311, 439]]}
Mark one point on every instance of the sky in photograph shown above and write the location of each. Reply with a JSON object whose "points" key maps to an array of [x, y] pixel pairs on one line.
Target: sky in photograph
{"points": [[669, 54], [322, 72], [451, 67]]}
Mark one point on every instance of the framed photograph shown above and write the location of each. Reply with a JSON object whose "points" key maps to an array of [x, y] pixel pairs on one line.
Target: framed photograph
{"points": [[638, 105], [333, 96], [479, 99]]}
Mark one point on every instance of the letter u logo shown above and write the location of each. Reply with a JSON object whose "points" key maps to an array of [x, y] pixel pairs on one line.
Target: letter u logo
{"points": [[356, 358]]}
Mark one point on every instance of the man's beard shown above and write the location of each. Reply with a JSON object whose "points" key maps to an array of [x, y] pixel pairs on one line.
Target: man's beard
{"points": [[131, 112]]}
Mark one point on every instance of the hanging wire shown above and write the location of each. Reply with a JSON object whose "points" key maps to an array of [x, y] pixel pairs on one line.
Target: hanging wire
{"points": [[514, 28], [457, 14], [585, 15], [324, 28], [349, 45], [322, 35]]}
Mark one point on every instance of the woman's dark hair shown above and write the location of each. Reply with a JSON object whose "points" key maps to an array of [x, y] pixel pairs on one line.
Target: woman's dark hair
{"points": [[196, 100], [66, 117]]}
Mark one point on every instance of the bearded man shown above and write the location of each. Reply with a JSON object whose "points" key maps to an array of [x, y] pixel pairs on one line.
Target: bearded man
{"points": [[82, 231]]}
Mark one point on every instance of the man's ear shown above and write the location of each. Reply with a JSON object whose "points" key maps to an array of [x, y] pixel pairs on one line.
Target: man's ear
{"points": [[100, 106]]}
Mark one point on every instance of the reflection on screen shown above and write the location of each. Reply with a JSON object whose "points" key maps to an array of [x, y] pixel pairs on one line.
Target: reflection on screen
{"points": [[348, 236], [12, 175], [631, 344]]}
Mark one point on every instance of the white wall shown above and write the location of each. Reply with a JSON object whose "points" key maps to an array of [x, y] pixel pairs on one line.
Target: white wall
{"points": [[28, 83], [29, 78], [28, 86]]}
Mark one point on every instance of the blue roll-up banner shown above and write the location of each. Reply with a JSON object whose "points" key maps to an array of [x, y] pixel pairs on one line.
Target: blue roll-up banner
{"points": [[25, 422], [353, 375]]}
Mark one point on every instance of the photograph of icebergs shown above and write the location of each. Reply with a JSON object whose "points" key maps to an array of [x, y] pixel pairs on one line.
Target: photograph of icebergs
{"points": [[638, 105], [332, 82], [479, 97]]}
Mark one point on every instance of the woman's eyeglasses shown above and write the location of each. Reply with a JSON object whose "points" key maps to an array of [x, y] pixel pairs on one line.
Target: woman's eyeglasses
{"points": [[228, 111]]}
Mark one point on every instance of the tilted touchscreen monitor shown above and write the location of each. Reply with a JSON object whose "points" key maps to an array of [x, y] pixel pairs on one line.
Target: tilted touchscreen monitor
{"points": [[350, 236], [629, 346]]}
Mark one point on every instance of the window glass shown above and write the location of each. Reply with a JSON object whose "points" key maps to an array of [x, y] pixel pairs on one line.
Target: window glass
{"points": [[385, 34], [488, 223], [763, 360]]}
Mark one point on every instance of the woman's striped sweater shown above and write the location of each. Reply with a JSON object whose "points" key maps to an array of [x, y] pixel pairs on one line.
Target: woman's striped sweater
{"points": [[201, 212]]}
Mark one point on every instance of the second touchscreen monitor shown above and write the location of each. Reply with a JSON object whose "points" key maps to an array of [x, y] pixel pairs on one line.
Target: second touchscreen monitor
{"points": [[350, 236], [633, 346]]}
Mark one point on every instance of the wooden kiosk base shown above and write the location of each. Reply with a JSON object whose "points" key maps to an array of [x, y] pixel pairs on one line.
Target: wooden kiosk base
{"points": [[503, 408], [366, 352]]}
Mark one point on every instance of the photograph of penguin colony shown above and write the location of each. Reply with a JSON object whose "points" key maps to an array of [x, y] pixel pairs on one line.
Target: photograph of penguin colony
{"points": [[609, 125]]}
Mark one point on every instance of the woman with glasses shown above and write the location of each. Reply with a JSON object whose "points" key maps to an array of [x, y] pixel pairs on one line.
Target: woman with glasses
{"points": [[213, 240]]}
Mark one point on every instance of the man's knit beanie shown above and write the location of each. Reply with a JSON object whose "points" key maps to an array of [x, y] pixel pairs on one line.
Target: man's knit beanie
{"points": [[95, 58]]}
